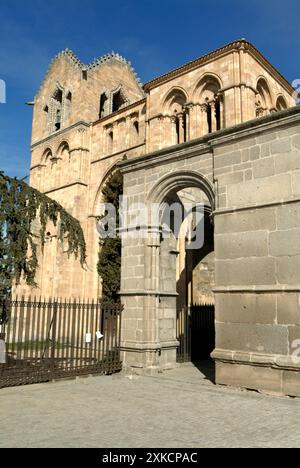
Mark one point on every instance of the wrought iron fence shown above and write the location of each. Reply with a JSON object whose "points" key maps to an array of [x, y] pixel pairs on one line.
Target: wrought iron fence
{"points": [[195, 332], [42, 340]]}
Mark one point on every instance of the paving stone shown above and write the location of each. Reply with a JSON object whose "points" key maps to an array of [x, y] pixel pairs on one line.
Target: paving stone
{"points": [[180, 408]]}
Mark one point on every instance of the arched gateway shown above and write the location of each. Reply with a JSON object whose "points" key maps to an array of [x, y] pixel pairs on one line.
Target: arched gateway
{"points": [[161, 284]]}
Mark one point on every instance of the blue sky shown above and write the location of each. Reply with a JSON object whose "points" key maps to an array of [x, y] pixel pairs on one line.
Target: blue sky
{"points": [[155, 36]]}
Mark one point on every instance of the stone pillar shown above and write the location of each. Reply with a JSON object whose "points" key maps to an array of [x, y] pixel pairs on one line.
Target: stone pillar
{"points": [[181, 128], [187, 122], [194, 122], [167, 125], [174, 133], [116, 142], [213, 116], [149, 319], [203, 120], [222, 113]]}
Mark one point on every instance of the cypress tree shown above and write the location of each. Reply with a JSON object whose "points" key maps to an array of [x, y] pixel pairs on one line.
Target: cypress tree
{"points": [[109, 263], [21, 207]]}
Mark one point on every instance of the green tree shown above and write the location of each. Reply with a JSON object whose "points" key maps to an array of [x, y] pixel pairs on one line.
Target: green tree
{"points": [[21, 208], [109, 263]]}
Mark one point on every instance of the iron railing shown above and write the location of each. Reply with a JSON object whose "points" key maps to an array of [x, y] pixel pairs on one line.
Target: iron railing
{"points": [[195, 332], [42, 340]]}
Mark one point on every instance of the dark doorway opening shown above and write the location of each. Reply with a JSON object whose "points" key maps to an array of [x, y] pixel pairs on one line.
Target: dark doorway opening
{"points": [[196, 333], [202, 332], [196, 320]]}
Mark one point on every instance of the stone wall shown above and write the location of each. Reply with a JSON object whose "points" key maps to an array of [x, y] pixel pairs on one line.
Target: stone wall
{"points": [[257, 255]]}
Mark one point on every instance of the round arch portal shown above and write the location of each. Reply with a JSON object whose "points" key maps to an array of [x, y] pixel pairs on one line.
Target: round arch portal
{"points": [[181, 180]]}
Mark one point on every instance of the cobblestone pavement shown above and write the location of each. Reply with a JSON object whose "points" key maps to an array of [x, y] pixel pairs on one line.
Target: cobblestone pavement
{"points": [[179, 409]]}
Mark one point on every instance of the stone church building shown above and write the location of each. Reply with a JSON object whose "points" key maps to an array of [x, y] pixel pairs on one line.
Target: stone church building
{"points": [[222, 131]]}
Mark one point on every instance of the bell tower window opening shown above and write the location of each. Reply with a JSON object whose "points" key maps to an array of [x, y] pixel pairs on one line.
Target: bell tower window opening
{"points": [[118, 101], [57, 106], [137, 127], [184, 123], [218, 115], [177, 125], [103, 105], [209, 118], [181, 128], [68, 103], [58, 120]]}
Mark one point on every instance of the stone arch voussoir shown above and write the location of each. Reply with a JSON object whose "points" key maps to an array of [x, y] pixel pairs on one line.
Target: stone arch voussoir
{"points": [[180, 180]]}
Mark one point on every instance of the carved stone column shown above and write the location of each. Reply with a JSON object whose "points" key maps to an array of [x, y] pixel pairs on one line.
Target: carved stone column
{"points": [[167, 131], [213, 116], [181, 127], [174, 140], [193, 121], [222, 113], [203, 120]]}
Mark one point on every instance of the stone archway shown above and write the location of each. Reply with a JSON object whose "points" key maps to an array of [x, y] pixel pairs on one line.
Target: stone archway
{"points": [[150, 272]]}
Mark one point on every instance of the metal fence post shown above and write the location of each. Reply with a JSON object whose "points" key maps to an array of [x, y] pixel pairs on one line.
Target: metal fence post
{"points": [[53, 338]]}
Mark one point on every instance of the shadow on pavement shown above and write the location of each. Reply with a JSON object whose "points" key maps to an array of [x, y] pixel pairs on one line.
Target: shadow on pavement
{"points": [[207, 367]]}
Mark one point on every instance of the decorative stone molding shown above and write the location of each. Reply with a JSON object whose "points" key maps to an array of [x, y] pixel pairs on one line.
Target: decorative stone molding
{"points": [[277, 361], [180, 180], [53, 137], [236, 45]]}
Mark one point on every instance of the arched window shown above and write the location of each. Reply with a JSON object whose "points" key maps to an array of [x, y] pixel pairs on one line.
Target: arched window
{"points": [[63, 170], [63, 152], [58, 109], [58, 120], [263, 99], [103, 110], [118, 101], [137, 127], [175, 107], [57, 104], [68, 103], [211, 104], [47, 157], [281, 104]]}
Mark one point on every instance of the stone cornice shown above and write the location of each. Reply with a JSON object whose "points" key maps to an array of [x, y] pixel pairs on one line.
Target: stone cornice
{"points": [[126, 150], [261, 289], [54, 136], [276, 361], [120, 112], [146, 293], [183, 151], [66, 186], [241, 44], [283, 202]]}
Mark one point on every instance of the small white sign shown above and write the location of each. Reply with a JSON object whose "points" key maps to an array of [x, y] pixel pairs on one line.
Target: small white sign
{"points": [[88, 338], [99, 335]]}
